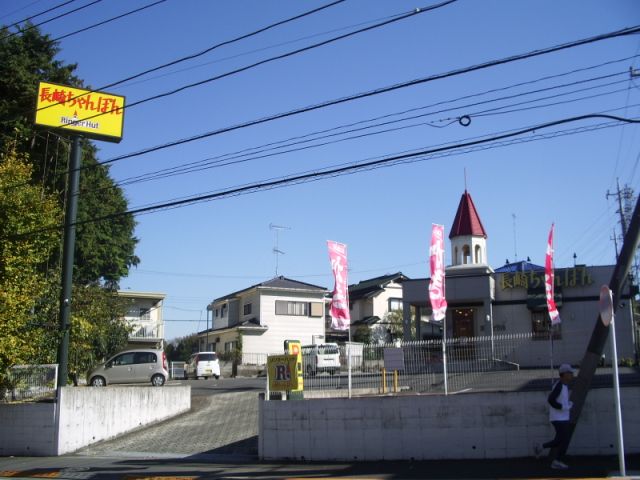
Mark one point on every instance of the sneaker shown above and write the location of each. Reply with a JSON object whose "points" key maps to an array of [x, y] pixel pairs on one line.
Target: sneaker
{"points": [[558, 465], [537, 450]]}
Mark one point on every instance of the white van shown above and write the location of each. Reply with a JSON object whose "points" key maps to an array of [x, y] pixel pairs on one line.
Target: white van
{"points": [[202, 365], [324, 357]]}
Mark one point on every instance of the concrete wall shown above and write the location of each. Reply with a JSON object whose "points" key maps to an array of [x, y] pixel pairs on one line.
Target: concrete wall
{"points": [[27, 429], [84, 416], [482, 425]]}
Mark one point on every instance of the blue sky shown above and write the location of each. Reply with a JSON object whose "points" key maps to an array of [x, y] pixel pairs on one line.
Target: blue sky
{"points": [[197, 253]]}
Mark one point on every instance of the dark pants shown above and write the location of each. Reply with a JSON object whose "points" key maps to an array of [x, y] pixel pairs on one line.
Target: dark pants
{"points": [[561, 440]]}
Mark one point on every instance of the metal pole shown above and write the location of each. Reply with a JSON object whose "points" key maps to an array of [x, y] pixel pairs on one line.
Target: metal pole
{"points": [[73, 181], [349, 362], [600, 331], [444, 353], [616, 393]]}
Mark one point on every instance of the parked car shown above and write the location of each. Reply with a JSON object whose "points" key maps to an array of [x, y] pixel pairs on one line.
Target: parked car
{"points": [[202, 365], [324, 357], [132, 366]]}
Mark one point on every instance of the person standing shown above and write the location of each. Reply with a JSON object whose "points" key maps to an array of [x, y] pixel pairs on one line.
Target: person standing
{"points": [[559, 416]]}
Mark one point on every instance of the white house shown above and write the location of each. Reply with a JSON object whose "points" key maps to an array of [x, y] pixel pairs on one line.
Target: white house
{"points": [[144, 314], [370, 302], [263, 316]]}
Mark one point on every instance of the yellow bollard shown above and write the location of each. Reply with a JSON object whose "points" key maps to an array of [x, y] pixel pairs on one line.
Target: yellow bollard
{"points": [[384, 381], [395, 381]]}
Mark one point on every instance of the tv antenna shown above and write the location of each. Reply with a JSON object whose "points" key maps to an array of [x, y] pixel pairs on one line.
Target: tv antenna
{"points": [[276, 250]]}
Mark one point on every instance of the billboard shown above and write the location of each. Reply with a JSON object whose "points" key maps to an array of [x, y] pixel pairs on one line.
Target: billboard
{"points": [[97, 115]]}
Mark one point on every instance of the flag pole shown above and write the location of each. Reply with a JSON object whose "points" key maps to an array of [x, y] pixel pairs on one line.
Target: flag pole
{"points": [[349, 362]]}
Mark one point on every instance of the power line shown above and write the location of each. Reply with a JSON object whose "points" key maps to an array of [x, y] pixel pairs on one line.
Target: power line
{"points": [[203, 52], [342, 170], [275, 58], [118, 17], [239, 157], [31, 27], [31, 17], [378, 91]]}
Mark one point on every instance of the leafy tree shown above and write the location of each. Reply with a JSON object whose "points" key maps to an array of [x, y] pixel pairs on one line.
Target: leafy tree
{"points": [[394, 321], [24, 208], [180, 349], [104, 250]]}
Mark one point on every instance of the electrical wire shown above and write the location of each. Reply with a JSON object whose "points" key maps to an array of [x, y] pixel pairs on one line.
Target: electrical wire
{"points": [[31, 27], [233, 159], [378, 91], [31, 17], [275, 58], [109, 20], [338, 171]]}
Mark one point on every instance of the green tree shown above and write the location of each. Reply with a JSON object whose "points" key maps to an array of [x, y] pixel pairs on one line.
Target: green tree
{"points": [[24, 208], [395, 325], [104, 250], [180, 349]]}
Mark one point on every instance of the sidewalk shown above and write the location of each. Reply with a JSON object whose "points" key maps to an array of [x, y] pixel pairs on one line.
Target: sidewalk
{"points": [[206, 466]]}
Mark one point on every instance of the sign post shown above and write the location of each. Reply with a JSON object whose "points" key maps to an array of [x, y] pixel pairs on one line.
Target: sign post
{"points": [[608, 318], [95, 115]]}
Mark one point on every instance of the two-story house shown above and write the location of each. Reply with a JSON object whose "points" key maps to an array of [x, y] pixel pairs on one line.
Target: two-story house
{"points": [[371, 302], [144, 314], [261, 317]]}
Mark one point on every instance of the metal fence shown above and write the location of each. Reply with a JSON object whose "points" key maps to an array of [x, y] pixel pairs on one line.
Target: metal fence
{"points": [[30, 382], [176, 370], [472, 364]]}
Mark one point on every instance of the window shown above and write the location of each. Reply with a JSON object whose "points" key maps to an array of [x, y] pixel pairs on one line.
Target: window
{"points": [[145, 314], [540, 325], [223, 310], [247, 309], [124, 359], [230, 346], [478, 254], [395, 304], [217, 312], [292, 308], [466, 255], [317, 309], [145, 357]]}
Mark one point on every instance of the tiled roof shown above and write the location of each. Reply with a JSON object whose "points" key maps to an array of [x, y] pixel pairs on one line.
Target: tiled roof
{"points": [[467, 220], [372, 286], [276, 282]]}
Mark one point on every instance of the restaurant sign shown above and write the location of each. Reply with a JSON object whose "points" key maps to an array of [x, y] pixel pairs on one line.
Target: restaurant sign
{"points": [[97, 115], [567, 277]]}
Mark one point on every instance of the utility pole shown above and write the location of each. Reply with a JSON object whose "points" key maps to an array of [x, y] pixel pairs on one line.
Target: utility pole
{"points": [[73, 182]]}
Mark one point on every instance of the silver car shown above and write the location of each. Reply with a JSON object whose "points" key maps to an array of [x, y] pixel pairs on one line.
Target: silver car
{"points": [[132, 366]]}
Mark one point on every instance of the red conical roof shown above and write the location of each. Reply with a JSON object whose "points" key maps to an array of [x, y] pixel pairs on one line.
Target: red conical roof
{"points": [[467, 221]]}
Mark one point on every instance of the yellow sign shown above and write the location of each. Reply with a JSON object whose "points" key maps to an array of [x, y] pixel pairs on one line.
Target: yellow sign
{"points": [[282, 372], [97, 115], [294, 347]]}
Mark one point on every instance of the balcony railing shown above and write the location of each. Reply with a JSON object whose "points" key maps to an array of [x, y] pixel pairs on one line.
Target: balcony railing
{"points": [[146, 331]]}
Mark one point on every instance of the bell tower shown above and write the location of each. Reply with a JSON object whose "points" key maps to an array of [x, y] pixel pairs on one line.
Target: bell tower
{"points": [[468, 237]]}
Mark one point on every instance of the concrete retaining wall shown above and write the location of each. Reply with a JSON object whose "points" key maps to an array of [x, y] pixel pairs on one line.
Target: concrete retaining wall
{"points": [[84, 416], [480, 425]]}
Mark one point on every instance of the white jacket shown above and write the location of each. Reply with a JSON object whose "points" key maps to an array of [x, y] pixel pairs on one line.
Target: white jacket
{"points": [[559, 402]]}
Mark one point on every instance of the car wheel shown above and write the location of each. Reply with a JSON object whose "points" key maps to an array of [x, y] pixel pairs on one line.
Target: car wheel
{"points": [[98, 382], [216, 377], [206, 378], [157, 380]]}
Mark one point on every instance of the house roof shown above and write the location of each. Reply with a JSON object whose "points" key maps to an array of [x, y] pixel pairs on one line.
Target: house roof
{"points": [[252, 324], [523, 266], [367, 321], [467, 220], [373, 286], [279, 282]]}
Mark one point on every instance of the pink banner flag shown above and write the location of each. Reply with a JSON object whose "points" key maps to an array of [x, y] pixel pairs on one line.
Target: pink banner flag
{"points": [[436, 285], [548, 281], [340, 316]]}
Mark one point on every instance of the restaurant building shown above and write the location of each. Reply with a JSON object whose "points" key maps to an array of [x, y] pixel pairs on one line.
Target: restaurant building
{"points": [[511, 300]]}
